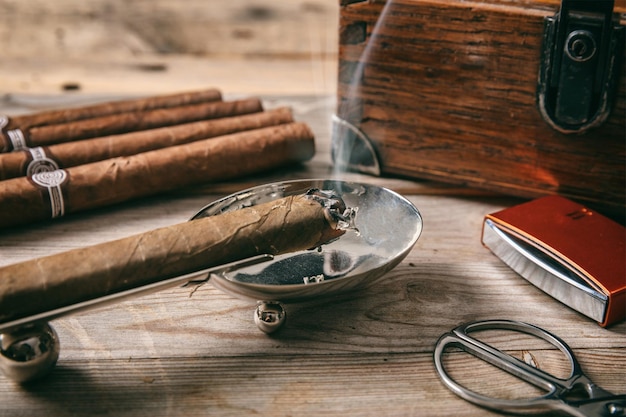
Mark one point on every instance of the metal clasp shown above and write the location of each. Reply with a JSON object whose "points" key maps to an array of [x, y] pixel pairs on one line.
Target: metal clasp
{"points": [[580, 62]]}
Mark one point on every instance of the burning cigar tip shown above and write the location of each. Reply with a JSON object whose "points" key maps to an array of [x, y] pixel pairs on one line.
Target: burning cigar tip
{"points": [[338, 215]]}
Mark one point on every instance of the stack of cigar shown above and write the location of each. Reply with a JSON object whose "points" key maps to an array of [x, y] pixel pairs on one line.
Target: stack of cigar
{"points": [[58, 162]]}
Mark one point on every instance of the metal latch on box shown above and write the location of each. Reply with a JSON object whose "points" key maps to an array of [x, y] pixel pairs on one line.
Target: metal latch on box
{"points": [[580, 63]]}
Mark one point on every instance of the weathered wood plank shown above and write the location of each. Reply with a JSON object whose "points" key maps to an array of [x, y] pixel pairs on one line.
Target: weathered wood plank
{"points": [[395, 385], [117, 28], [105, 46]]}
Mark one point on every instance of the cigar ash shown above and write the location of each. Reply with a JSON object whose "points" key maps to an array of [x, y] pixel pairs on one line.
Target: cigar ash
{"points": [[336, 211]]}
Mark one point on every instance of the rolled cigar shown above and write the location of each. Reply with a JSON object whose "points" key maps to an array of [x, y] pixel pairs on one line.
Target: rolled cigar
{"points": [[49, 117], [65, 155], [286, 225], [52, 194], [125, 122], [134, 121]]}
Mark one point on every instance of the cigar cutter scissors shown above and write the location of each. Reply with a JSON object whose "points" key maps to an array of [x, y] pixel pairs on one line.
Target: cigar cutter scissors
{"points": [[575, 394], [384, 228]]}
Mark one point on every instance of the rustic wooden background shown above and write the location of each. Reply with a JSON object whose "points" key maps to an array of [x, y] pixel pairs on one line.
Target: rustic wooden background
{"points": [[173, 353], [151, 46]]}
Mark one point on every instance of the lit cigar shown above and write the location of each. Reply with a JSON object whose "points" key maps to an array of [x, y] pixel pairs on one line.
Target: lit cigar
{"points": [[130, 122], [65, 155], [11, 128], [286, 225], [56, 193]]}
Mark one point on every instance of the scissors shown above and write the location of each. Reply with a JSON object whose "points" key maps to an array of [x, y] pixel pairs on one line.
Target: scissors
{"points": [[598, 402]]}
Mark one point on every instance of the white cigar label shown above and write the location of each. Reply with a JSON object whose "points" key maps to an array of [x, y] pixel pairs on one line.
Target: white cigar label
{"points": [[52, 180], [16, 136], [40, 162]]}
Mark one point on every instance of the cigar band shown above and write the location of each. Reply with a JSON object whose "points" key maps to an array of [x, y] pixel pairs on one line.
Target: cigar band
{"points": [[52, 180], [16, 136], [40, 162]]}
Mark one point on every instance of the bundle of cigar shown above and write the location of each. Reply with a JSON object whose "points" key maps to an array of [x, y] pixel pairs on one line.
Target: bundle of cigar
{"points": [[58, 162]]}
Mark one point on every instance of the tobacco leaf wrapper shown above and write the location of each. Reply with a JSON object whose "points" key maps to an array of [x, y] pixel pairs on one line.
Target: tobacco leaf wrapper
{"points": [[285, 225], [131, 122], [50, 117], [52, 194], [65, 155]]}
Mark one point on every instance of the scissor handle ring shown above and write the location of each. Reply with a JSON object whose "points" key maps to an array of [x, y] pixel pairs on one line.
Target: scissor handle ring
{"points": [[460, 337]]}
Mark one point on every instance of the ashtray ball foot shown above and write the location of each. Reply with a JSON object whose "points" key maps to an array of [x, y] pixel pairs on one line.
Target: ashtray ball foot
{"points": [[29, 353]]}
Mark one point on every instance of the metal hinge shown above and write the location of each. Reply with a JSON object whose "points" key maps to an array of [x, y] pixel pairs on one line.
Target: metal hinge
{"points": [[581, 54]]}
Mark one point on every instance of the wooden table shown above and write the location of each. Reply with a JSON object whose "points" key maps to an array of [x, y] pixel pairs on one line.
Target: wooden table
{"points": [[178, 353]]}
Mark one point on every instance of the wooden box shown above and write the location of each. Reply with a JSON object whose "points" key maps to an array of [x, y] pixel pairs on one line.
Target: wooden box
{"points": [[458, 91]]}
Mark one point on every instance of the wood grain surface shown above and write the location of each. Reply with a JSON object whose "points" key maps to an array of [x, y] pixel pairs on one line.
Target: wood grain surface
{"points": [[197, 352], [186, 352], [110, 46], [447, 90]]}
